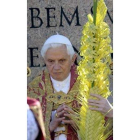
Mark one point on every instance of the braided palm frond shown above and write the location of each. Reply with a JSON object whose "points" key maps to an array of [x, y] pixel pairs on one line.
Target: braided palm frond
{"points": [[93, 73]]}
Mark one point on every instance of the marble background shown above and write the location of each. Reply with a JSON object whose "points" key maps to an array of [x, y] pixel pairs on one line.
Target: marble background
{"points": [[37, 36]]}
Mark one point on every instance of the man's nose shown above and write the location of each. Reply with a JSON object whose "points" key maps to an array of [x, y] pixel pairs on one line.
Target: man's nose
{"points": [[56, 66]]}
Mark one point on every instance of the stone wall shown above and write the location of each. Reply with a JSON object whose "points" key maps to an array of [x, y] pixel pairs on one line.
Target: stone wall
{"points": [[46, 17]]}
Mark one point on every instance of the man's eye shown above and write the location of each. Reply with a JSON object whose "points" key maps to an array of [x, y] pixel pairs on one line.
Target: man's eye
{"points": [[50, 61], [62, 60]]}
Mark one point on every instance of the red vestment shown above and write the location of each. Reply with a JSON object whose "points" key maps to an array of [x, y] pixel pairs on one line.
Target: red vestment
{"points": [[41, 87], [37, 111]]}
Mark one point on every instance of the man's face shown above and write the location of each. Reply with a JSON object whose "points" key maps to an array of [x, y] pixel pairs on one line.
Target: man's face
{"points": [[58, 62]]}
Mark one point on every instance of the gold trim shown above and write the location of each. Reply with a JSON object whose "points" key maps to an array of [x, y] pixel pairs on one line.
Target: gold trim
{"points": [[38, 115], [28, 71], [56, 115], [74, 91], [34, 89], [59, 98], [49, 105]]}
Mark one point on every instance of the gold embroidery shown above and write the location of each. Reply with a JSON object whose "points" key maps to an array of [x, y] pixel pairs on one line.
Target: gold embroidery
{"points": [[38, 115], [35, 91], [62, 131], [49, 105], [59, 98]]}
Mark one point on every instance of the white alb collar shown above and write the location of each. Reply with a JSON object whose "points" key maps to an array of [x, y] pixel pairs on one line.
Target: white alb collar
{"points": [[61, 83]]}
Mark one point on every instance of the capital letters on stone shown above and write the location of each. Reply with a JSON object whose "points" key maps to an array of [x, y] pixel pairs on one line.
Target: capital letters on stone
{"points": [[48, 17], [35, 12], [69, 21], [35, 17], [32, 57]]}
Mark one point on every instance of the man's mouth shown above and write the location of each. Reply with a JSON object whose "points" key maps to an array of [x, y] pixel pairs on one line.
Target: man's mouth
{"points": [[57, 73]]}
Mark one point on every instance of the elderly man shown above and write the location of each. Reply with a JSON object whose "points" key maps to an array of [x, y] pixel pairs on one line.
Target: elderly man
{"points": [[57, 88]]}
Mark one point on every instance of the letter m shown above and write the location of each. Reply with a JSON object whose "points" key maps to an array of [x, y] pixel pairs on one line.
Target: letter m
{"points": [[70, 21]]}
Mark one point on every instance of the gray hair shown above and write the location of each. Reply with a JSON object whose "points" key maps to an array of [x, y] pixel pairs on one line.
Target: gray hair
{"points": [[69, 48]]}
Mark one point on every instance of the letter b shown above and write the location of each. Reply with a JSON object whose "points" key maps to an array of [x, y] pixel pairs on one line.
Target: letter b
{"points": [[33, 17]]}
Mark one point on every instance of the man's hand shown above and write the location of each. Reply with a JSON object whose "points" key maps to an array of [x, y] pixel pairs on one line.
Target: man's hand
{"points": [[59, 116], [68, 114], [101, 105]]}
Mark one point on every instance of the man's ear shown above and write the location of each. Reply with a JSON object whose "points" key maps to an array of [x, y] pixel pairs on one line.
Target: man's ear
{"points": [[74, 58]]}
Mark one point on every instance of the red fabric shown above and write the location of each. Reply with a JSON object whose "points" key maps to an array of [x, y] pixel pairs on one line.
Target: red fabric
{"points": [[40, 136], [72, 135], [34, 102], [73, 76]]}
